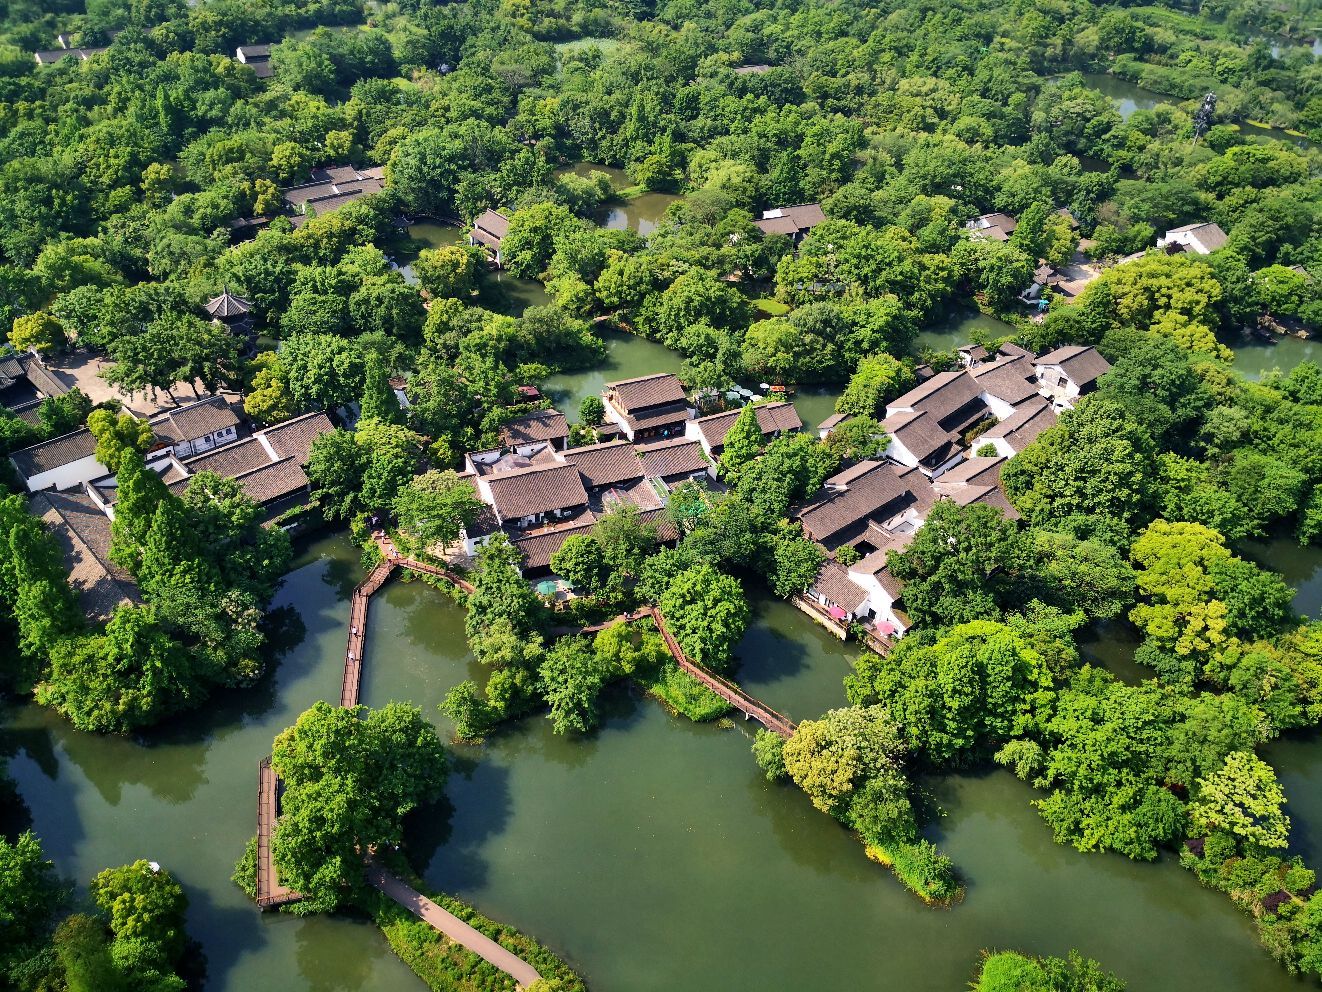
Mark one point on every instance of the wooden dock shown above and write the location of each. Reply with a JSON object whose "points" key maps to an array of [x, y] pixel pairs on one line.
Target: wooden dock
{"points": [[270, 893]]}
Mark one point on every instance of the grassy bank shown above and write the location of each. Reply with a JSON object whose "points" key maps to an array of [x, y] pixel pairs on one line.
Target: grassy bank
{"points": [[449, 967]]}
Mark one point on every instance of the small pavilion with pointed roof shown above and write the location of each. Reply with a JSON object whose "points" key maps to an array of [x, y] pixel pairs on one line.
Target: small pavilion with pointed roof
{"points": [[235, 314]]}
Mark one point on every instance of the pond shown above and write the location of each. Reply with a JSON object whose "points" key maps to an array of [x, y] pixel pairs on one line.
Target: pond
{"points": [[499, 290], [958, 329], [185, 797], [1129, 97], [653, 855], [1253, 358], [627, 356], [641, 213]]}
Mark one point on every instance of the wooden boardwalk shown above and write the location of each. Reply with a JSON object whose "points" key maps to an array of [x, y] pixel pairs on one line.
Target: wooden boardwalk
{"points": [[270, 893], [451, 926], [351, 686], [751, 708]]}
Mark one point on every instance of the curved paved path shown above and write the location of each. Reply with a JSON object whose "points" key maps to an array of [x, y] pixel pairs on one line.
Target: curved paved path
{"points": [[447, 923]]}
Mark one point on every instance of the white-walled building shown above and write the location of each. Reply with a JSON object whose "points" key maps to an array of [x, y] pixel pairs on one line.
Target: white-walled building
{"points": [[1067, 373]]}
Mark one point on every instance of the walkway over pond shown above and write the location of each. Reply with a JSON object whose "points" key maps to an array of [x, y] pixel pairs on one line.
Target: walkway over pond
{"points": [[751, 708], [270, 892], [451, 926]]}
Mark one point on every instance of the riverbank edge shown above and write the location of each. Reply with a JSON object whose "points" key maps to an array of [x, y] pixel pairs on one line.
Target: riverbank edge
{"points": [[426, 950]]}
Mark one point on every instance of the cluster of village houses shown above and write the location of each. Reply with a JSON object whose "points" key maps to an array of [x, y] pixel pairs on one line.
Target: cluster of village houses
{"points": [[75, 494], [539, 492]]}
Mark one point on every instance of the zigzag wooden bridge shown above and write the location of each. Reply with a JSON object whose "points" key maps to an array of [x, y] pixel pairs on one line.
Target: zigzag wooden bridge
{"points": [[751, 708]]}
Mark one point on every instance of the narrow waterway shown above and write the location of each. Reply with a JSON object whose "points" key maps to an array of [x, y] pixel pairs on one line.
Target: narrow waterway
{"points": [[1129, 97], [641, 212], [499, 290], [627, 356]]}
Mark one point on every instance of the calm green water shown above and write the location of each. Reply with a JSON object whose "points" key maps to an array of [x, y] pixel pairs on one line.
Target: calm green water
{"points": [[641, 213], [1253, 358], [499, 291], [652, 855], [655, 857], [186, 797], [627, 356], [1129, 97], [958, 330]]}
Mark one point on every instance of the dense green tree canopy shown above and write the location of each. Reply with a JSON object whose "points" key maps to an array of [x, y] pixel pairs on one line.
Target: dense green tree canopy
{"points": [[351, 776]]}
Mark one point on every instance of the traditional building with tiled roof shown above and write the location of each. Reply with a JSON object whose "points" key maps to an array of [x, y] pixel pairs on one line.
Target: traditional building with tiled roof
{"points": [[488, 231], [257, 58], [977, 480], [25, 382], [189, 430], [1016, 432], [62, 463], [993, 227], [82, 531], [793, 222], [531, 496], [1004, 384], [269, 467], [648, 406], [331, 189], [886, 495], [1067, 373], [1199, 239], [830, 424], [533, 428], [614, 463], [675, 461], [926, 423], [774, 419]]}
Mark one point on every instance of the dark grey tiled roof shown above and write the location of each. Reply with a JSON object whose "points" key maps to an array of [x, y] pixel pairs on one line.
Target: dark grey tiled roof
{"points": [[1082, 363], [608, 464], [642, 392], [540, 425], [531, 491], [187, 423], [46, 455], [771, 418], [82, 530], [666, 459], [834, 583]]}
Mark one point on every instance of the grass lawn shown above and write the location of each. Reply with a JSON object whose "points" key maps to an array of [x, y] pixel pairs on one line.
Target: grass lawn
{"points": [[770, 307]]}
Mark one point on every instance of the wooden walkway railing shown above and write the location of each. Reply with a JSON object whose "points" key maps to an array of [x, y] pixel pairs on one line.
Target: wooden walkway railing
{"points": [[750, 707], [270, 892], [351, 685]]}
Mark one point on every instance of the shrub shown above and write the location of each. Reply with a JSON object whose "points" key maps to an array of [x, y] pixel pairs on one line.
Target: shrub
{"points": [[769, 752]]}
